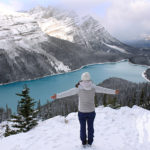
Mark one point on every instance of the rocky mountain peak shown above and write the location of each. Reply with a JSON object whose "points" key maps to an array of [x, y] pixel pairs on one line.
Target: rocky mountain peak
{"points": [[46, 41]]}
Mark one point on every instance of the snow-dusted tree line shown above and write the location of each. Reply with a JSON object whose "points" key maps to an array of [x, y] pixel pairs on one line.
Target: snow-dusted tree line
{"points": [[130, 94]]}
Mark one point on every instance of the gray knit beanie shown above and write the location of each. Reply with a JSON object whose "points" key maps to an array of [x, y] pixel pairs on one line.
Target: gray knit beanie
{"points": [[85, 76]]}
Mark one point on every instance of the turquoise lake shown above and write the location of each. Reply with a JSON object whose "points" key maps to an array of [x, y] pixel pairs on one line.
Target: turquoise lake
{"points": [[43, 88]]}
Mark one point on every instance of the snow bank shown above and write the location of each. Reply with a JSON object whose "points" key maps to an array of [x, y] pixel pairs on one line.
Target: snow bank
{"points": [[122, 129], [117, 48]]}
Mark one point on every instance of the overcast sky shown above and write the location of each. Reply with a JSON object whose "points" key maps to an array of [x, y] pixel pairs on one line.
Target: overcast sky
{"points": [[124, 19]]}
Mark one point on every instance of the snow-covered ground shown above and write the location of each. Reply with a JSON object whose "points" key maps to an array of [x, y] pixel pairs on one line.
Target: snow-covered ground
{"points": [[122, 129]]}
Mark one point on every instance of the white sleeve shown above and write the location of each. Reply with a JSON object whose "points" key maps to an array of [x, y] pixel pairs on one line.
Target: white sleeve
{"points": [[100, 89], [67, 93]]}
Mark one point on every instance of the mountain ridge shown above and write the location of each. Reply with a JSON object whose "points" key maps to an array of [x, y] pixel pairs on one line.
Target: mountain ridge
{"points": [[26, 52]]}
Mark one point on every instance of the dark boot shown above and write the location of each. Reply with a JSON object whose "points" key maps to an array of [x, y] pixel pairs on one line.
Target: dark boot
{"points": [[84, 142]]}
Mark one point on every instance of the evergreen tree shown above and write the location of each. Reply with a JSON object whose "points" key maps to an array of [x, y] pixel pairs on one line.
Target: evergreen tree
{"points": [[2, 114], [26, 117], [48, 109], [39, 109], [114, 101], [96, 101], [148, 103], [104, 100], [116, 104], [110, 101], [66, 109], [142, 97], [8, 131], [8, 112], [130, 102], [134, 98]]}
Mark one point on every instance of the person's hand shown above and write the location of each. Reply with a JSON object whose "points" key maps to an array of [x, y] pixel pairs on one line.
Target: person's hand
{"points": [[53, 97], [117, 91]]}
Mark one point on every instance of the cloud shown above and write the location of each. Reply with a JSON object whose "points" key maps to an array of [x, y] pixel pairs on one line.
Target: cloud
{"points": [[82, 3], [11, 5], [83, 6], [128, 19], [16, 4], [5, 7], [124, 19]]}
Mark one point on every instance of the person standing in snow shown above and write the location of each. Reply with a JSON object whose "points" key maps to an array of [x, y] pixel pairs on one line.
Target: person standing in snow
{"points": [[86, 90]]}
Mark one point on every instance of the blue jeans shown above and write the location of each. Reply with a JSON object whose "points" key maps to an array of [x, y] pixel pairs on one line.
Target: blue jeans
{"points": [[89, 118]]}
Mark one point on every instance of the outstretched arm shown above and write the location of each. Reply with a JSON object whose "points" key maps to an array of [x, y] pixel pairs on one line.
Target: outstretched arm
{"points": [[105, 90], [67, 93]]}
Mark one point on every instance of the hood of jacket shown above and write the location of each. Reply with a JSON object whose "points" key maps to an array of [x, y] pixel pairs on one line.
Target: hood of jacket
{"points": [[86, 85]]}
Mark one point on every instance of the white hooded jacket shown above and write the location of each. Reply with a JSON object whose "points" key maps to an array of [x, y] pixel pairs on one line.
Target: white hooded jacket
{"points": [[86, 93]]}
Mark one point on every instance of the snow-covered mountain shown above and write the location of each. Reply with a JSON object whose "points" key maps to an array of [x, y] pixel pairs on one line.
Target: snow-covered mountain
{"points": [[85, 31], [21, 49], [46, 41], [122, 129]]}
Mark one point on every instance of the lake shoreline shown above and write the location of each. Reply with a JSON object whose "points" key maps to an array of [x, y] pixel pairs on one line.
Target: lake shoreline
{"points": [[61, 73], [144, 75], [43, 88]]}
